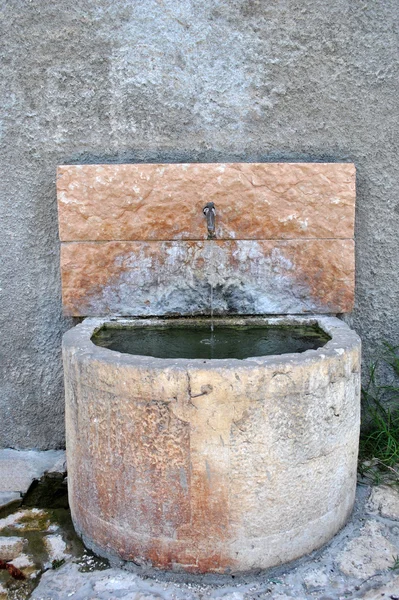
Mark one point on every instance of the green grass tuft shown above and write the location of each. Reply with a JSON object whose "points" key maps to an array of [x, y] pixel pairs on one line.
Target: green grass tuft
{"points": [[379, 441]]}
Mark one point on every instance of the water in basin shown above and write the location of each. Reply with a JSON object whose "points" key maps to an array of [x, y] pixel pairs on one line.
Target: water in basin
{"points": [[199, 342]]}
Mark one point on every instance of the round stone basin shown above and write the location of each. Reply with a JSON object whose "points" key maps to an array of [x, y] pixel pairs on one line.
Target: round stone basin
{"points": [[223, 453]]}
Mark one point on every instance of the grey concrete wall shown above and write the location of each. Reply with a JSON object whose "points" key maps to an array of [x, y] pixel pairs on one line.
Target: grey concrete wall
{"points": [[182, 80]]}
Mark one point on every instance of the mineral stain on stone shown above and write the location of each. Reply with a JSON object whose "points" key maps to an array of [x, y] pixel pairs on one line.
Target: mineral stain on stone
{"points": [[175, 277], [180, 341]]}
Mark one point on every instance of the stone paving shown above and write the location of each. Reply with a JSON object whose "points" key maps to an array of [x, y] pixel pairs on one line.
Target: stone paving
{"points": [[362, 561], [18, 468]]}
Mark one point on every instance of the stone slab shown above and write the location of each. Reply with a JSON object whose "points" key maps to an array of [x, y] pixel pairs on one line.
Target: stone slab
{"points": [[165, 201], [56, 547], [31, 519], [367, 554], [388, 591], [10, 547], [23, 561], [384, 501], [8, 498], [185, 278], [110, 584], [19, 468]]}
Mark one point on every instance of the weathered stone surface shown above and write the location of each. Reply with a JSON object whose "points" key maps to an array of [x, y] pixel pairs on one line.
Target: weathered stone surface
{"points": [[59, 466], [33, 519], [10, 547], [367, 554], [23, 561], [388, 591], [384, 500], [165, 201], [56, 547], [210, 466], [68, 581], [8, 498], [19, 468], [241, 277], [288, 597], [316, 579]]}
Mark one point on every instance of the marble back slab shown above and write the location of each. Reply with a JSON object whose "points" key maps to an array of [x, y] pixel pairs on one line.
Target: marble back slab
{"points": [[188, 278], [134, 238], [164, 201]]}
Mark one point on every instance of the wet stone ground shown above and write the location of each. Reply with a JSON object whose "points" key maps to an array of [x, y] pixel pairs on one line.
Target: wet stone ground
{"points": [[37, 538], [34, 540]]}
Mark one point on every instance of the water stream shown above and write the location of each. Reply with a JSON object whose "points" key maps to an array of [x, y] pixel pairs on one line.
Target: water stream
{"points": [[211, 303]]}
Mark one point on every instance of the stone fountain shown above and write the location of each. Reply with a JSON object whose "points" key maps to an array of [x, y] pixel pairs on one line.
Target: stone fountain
{"points": [[222, 462]]}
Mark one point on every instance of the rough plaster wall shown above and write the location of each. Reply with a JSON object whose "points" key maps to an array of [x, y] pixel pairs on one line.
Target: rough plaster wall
{"points": [[188, 80]]}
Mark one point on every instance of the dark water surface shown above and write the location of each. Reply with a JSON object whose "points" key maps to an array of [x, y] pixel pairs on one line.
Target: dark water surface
{"points": [[199, 342]]}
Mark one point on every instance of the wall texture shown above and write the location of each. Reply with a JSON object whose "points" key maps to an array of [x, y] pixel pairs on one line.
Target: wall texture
{"points": [[189, 80]]}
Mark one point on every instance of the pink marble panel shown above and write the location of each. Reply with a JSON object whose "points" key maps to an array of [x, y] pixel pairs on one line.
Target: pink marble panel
{"points": [[165, 201]]}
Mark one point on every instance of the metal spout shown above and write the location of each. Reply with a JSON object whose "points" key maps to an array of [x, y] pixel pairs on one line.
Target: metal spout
{"points": [[209, 211]]}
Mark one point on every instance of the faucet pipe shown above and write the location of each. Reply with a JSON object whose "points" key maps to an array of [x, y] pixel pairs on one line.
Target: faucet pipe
{"points": [[209, 211]]}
